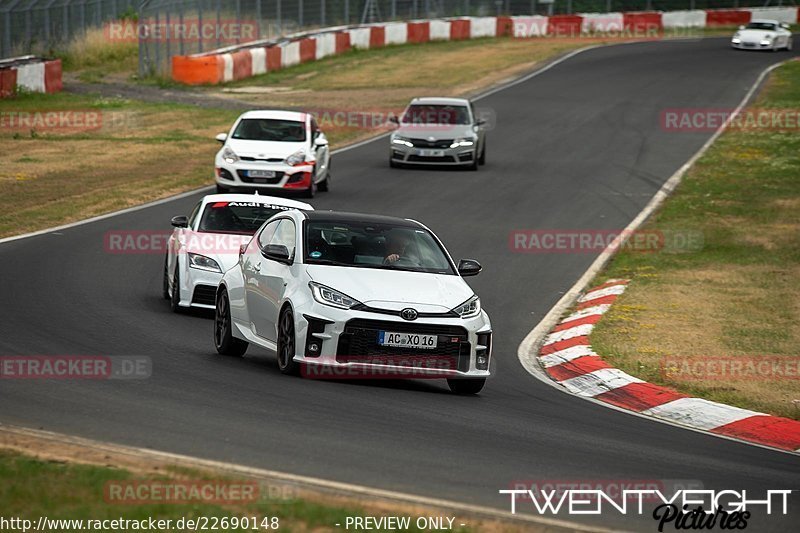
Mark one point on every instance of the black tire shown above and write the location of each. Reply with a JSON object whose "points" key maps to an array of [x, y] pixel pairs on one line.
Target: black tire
{"points": [[466, 386], [312, 189], [165, 282], [473, 165], [286, 343], [482, 158], [175, 297], [325, 185], [224, 341], [221, 189]]}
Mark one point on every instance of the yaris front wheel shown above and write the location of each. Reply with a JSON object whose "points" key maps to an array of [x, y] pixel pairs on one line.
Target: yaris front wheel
{"points": [[286, 343]]}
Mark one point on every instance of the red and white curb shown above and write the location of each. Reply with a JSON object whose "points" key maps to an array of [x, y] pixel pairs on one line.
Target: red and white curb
{"points": [[30, 73], [567, 358]]}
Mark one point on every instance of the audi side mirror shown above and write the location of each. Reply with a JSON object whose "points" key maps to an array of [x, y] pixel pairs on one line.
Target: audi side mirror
{"points": [[180, 221]]}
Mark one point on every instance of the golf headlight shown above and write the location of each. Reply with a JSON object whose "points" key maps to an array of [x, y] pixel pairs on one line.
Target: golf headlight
{"points": [[203, 263], [470, 308], [464, 141], [327, 296], [297, 158], [229, 155], [396, 139]]}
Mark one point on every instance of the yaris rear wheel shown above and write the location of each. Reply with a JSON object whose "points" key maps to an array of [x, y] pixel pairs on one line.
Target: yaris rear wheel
{"points": [[286, 343]]}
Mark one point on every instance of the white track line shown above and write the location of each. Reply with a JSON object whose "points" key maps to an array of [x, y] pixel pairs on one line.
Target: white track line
{"points": [[528, 349]]}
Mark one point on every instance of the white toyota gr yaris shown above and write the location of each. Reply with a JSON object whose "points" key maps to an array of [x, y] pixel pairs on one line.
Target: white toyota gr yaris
{"points": [[351, 295]]}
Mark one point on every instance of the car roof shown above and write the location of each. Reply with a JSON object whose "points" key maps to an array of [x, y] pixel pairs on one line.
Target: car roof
{"points": [[275, 200], [765, 21], [436, 100], [339, 216], [276, 114]]}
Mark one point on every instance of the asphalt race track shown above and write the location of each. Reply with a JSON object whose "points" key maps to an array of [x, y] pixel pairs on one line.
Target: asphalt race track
{"points": [[578, 147]]}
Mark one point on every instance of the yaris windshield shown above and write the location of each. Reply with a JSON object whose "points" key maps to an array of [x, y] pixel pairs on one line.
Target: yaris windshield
{"points": [[366, 245], [270, 129]]}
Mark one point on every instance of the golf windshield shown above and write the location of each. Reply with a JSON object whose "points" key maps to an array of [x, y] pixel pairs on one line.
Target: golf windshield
{"points": [[270, 129], [436, 114], [242, 218], [368, 245]]}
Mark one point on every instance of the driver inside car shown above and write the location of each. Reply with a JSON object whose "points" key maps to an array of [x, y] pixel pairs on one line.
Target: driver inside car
{"points": [[398, 246]]}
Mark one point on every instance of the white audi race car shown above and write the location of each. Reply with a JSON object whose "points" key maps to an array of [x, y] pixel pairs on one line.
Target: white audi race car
{"points": [[273, 150], [352, 295], [205, 244], [763, 35]]}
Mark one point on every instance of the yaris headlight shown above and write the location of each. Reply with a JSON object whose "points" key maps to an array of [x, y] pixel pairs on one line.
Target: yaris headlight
{"points": [[229, 155], [397, 139], [203, 263], [469, 309], [327, 296], [297, 158], [463, 141]]}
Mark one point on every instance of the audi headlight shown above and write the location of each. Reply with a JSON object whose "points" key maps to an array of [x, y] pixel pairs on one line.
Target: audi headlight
{"points": [[327, 296], [229, 155], [396, 139], [464, 141], [297, 158], [469, 309], [203, 263]]}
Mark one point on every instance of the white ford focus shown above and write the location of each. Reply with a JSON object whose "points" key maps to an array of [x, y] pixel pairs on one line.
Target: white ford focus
{"points": [[363, 295], [270, 150], [206, 243], [763, 35]]}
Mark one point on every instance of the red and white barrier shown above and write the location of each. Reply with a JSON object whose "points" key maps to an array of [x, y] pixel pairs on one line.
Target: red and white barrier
{"points": [[230, 64], [29, 73], [567, 357]]}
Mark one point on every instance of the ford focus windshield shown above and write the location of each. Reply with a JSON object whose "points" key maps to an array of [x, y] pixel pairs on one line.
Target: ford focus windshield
{"points": [[269, 129], [365, 245]]}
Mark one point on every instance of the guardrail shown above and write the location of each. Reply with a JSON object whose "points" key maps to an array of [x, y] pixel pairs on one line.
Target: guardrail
{"points": [[259, 57], [29, 73]]}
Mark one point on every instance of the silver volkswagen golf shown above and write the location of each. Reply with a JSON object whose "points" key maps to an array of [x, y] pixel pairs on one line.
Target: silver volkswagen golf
{"points": [[438, 131]]}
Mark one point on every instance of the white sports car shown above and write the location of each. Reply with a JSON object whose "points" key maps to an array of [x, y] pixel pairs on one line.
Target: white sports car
{"points": [[763, 35], [269, 150], [351, 295], [206, 243]]}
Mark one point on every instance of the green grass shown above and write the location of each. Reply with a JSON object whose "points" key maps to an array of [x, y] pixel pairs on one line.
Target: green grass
{"points": [[736, 297], [31, 488]]}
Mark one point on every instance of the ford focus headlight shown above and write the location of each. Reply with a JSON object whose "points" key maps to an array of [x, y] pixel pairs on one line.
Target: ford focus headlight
{"points": [[469, 309], [203, 263], [229, 155], [327, 296], [464, 141], [297, 158], [396, 139]]}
